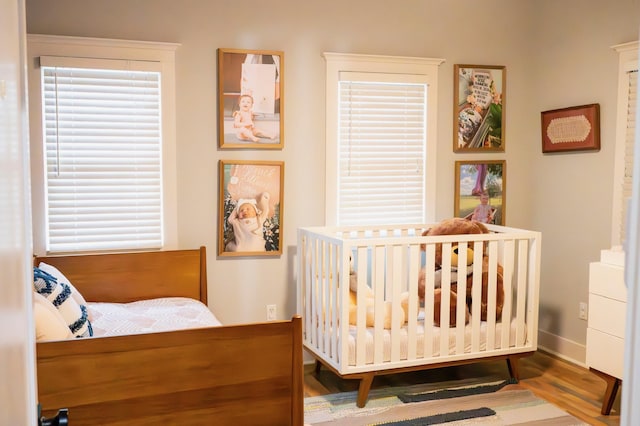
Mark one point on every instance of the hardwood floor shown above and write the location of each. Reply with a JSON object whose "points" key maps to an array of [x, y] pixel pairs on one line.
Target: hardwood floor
{"points": [[573, 388]]}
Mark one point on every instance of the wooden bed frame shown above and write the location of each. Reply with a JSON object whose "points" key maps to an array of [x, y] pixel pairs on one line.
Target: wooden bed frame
{"points": [[218, 375]]}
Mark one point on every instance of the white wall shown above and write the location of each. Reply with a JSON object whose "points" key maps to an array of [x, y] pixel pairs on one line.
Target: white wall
{"points": [[557, 54]]}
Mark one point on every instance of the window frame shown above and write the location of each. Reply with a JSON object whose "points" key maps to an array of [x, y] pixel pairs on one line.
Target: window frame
{"points": [[107, 49], [337, 63], [627, 61]]}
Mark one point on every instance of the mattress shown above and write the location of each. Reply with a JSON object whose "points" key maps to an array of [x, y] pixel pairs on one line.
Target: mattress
{"points": [[436, 337], [149, 316]]}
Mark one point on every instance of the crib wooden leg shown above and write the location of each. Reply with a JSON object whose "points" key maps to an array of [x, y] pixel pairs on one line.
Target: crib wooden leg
{"points": [[363, 390], [512, 365]]}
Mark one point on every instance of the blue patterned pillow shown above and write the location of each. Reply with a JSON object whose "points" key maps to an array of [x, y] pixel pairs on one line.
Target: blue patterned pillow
{"points": [[59, 293]]}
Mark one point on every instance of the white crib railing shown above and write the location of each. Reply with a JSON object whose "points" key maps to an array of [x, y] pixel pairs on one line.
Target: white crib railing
{"points": [[388, 260]]}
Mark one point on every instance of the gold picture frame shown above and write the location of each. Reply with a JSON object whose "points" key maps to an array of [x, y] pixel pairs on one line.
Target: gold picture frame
{"points": [[480, 190], [479, 106], [250, 208], [250, 99]]}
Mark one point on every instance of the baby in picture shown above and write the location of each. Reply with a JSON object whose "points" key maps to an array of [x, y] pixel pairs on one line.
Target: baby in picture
{"points": [[247, 221], [243, 122]]}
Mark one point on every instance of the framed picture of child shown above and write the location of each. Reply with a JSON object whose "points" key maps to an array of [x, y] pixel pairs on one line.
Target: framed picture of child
{"points": [[479, 108], [250, 215], [250, 99], [480, 191]]}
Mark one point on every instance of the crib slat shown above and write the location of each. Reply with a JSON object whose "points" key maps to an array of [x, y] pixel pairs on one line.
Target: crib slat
{"points": [[461, 298], [395, 281], [361, 305], [378, 267], [523, 258], [491, 295], [430, 256], [476, 294], [507, 274], [412, 302], [445, 300]]}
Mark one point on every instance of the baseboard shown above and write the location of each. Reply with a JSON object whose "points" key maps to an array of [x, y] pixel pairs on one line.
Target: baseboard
{"points": [[566, 349]]}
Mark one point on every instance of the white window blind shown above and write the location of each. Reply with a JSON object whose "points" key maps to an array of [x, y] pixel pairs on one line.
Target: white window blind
{"points": [[103, 158], [629, 142], [382, 150]]}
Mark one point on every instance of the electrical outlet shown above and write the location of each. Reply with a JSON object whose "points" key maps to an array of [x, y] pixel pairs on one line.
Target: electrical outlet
{"points": [[582, 311], [271, 312]]}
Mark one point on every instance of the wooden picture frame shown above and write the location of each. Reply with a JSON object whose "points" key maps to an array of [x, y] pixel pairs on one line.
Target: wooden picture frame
{"points": [[250, 208], [479, 106], [477, 181], [571, 129], [250, 99]]}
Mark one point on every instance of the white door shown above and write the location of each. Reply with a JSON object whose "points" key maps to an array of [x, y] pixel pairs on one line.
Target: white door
{"points": [[631, 380], [17, 350]]}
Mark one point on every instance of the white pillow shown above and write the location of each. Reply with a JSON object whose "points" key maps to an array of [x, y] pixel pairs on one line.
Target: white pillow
{"points": [[59, 293], [52, 270], [49, 323]]}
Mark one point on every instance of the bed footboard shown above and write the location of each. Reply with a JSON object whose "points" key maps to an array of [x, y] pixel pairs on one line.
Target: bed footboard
{"points": [[219, 375]]}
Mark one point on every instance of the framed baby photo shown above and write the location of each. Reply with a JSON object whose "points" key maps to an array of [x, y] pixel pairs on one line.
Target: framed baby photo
{"points": [[250, 215], [250, 99], [479, 103], [480, 191]]}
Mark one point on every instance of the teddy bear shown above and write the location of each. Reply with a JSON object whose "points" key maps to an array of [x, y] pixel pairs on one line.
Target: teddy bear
{"points": [[370, 300], [456, 226]]}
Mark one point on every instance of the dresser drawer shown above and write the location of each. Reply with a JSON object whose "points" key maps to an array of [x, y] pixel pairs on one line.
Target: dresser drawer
{"points": [[605, 352], [607, 315], [607, 280]]}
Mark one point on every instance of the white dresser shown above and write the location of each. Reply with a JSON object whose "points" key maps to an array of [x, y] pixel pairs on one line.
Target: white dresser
{"points": [[606, 325]]}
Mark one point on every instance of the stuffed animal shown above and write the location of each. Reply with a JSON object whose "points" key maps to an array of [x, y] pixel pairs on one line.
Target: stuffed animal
{"points": [[370, 300], [456, 226]]}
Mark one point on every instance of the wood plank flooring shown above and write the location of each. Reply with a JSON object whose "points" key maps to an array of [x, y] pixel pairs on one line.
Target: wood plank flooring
{"points": [[571, 387]]}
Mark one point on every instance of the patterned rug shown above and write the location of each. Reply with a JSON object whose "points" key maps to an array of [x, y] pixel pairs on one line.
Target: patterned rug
{"points": [[494, 403]]}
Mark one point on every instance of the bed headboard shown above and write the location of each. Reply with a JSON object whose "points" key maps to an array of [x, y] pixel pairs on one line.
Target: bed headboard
{"points": [[126, 277]]}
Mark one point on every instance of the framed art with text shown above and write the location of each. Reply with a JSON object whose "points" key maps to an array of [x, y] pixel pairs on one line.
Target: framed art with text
{"points": [[479, 108], [250, 99]]}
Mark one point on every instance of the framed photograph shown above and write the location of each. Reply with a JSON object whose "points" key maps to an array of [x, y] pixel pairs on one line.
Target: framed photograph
{"points": [[250, 208], [250, 99], [571, 129], [479, 107], [480, 191]]}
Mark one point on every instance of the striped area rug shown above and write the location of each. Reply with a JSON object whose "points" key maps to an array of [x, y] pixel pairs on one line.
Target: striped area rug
{"points": [[494, 403]]}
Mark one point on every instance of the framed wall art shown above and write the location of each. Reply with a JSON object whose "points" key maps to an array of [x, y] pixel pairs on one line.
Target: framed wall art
{"points": [[250, 99], [250, 213], [479, 107], [480, 190], [571, 129]]}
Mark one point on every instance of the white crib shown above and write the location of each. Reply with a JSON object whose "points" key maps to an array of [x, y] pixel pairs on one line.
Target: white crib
{"points": [[388, 260]]}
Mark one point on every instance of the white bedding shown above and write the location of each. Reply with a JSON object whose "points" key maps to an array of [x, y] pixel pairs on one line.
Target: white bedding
{"points": [[149, 316], [420, 348]]}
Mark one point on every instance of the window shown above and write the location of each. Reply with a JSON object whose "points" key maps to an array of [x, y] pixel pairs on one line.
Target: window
{"points": [[381, 130], [105, 181], [625, 137]]}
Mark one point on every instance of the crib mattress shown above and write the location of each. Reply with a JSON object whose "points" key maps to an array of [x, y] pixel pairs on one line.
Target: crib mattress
{"points": [[436, 337], [149, 316]]}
